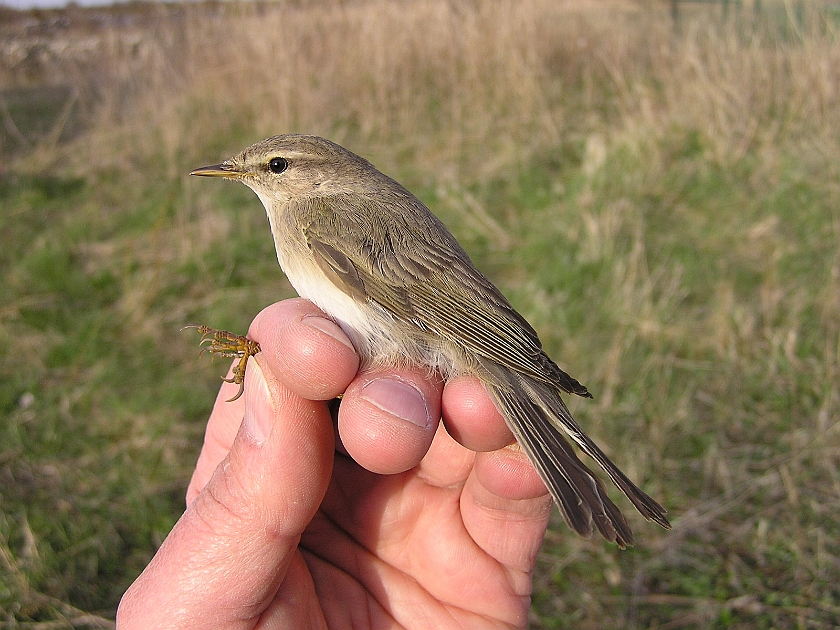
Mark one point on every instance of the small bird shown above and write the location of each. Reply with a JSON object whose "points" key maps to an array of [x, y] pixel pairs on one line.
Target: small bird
{"points": [[376, 260]]}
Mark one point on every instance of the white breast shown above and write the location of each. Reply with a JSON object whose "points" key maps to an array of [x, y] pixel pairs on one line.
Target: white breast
{"points": [[376, 335]]}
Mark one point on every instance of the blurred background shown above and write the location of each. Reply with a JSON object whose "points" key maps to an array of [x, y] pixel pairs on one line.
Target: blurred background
{"points": [[654, 185]]}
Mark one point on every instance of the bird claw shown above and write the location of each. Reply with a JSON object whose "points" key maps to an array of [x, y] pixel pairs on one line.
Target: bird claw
{"points": [[226, 344]]}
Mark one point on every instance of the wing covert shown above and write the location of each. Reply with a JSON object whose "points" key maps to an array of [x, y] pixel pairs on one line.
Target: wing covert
{"points": [[423, 276]]}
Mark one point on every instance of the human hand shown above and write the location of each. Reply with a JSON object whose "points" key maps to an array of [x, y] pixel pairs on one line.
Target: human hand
{"points": [[397, 526]]}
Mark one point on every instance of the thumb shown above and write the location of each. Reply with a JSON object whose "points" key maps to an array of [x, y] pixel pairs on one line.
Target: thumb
{"points": [[225, 560]]}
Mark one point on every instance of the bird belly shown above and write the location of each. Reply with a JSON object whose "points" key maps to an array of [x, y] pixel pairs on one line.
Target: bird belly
{"points": [[380, 338]]}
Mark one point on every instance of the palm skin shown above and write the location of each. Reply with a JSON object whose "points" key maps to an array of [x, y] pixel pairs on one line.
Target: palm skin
{"points": [[402, 551], [291, 532]]}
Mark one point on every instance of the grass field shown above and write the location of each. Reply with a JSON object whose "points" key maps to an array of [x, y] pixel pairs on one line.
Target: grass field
{"points": [[662, 202]]}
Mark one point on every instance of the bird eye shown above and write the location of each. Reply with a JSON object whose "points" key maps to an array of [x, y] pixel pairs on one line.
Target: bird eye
{"points": [[277, 165]]}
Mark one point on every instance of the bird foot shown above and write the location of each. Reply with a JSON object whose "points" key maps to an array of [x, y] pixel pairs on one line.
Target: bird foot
{"points": [[225, 344]]}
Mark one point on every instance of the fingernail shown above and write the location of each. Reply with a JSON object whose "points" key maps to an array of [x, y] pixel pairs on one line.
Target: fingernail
{"points": [[259, 413], [398, 398], [329, 327]]}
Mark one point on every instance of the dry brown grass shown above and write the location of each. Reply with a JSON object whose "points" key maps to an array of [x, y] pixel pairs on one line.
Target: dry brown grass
{"points": [[487, 82], [488, 78]]}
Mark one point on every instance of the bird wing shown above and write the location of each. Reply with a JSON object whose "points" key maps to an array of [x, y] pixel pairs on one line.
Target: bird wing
{"points": [[416, 270], [419, 273]]}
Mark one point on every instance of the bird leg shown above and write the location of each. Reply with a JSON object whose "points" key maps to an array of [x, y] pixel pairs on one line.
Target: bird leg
{"points": [[226, 344]]}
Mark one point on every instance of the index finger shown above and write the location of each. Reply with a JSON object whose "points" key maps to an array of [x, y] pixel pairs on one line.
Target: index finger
{"points": [[300, 347]]}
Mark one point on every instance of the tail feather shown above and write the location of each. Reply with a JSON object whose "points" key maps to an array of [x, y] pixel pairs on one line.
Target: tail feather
{"points": [[539, 418], [581, 496], [555, 409]]}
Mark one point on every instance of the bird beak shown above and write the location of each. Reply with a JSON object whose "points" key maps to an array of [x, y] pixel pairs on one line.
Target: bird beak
{"points": [[225, 169]]}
